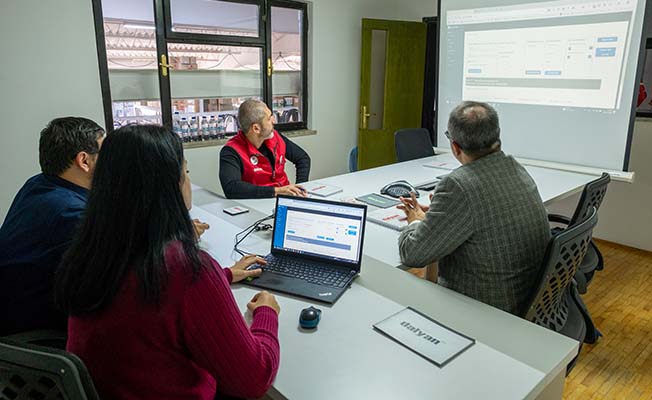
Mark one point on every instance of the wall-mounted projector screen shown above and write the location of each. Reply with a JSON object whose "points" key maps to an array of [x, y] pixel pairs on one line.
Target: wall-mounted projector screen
{"points": [[561, 74]]}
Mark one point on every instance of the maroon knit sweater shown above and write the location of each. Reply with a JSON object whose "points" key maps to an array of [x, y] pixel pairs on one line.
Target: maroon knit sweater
{"points": [[194, 344]]}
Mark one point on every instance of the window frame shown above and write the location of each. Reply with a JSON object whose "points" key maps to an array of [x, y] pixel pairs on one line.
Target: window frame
{"points": [[165, 36], [303, 7]]}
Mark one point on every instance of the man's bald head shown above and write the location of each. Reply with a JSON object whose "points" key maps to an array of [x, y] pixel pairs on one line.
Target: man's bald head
{"points": [[474, 126]]}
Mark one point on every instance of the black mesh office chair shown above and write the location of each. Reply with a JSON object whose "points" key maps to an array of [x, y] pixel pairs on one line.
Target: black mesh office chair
{"points": [[41, 337], [35, 372], [592, 196], [412, 143], [556, 302]]}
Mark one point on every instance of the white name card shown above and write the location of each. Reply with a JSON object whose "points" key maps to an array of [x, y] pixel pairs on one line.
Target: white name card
{"points": [[424, 336]]}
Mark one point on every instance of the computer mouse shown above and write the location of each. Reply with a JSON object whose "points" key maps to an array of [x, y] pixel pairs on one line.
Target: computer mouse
{"points": [[309, 317]]}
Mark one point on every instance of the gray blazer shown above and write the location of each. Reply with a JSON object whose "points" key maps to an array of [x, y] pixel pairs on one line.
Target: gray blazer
{"points": [[488, 229]]}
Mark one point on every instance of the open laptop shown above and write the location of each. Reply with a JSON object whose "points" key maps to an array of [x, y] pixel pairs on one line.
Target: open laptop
{"points": [[316, 248]]}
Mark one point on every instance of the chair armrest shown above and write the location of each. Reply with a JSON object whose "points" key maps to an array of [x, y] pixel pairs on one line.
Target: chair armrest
{"points": [[42, 337], [558, 219], [580, 282]]}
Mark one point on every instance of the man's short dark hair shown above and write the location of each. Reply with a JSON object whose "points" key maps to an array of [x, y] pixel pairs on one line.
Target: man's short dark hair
{"points": [[63, 139], [474, 126]]}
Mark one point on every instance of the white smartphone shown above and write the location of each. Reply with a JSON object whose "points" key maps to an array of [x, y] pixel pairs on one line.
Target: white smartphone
{"points": [[235, 210]]}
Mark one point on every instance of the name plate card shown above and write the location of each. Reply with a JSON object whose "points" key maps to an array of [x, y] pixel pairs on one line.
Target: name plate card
{"points": [[424, 336]]}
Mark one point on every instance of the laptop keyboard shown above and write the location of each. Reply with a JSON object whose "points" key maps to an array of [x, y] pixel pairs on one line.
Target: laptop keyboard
{"points": [[323, 274]]}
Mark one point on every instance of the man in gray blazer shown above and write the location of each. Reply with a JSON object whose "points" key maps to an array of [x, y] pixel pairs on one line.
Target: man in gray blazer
{"points": [[486, 223]]}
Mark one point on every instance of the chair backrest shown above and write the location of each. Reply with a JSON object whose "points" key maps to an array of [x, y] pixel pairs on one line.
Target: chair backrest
{"points": [[35, 372], [412, 143], [353, 159], [549, 305], [592, 196]]}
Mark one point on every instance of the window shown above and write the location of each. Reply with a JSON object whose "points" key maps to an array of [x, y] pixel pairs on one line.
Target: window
{"points": [[189, 64]]}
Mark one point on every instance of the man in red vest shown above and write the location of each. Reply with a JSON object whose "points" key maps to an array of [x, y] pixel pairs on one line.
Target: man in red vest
{"points": [[252, 163]]}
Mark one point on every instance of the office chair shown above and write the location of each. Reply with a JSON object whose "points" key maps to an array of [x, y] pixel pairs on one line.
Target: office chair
{"points": [[592, 196], [353, 159], [35, 372], [555, 303], [40, 337], [412, 143]]}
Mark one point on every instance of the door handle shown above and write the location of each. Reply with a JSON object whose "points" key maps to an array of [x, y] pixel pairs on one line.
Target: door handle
{"points": [[364, 117], [164, 65]]}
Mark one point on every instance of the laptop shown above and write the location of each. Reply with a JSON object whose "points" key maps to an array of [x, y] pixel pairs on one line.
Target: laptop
{"points": [[316, 248]]}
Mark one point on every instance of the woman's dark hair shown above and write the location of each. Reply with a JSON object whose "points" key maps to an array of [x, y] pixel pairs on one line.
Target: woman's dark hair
{"points": [[135, 209]]}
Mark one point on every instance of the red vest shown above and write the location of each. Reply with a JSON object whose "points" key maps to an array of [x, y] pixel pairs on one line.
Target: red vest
{"points": [[642, 94], [257, 169]]}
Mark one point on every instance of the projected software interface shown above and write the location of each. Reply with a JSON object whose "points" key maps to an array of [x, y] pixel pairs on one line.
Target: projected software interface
{"points": [[548, 53], [319, 229], [561, 74]]}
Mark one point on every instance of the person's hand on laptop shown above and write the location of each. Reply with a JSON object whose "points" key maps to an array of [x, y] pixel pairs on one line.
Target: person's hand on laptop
{"points": [[413, 210], [291, 190], [264, 298], [239, 270]]}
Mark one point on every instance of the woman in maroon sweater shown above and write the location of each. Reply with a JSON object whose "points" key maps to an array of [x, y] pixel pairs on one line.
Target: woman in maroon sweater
{"points": [[151, 315]]}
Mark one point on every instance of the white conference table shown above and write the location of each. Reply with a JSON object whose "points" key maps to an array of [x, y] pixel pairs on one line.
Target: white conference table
{"points": [[345, 358], [381, 243]]}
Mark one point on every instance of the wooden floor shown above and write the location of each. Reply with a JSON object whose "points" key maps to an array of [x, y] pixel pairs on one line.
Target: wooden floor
{"points": [[619, 365], [619, 299]]}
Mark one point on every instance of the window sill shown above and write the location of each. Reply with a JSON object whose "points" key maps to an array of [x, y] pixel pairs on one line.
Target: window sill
{"points": [[221, 142]]}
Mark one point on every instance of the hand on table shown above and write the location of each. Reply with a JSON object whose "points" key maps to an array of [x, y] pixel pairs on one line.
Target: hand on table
{"points": [[291, 190], [264, 298]]}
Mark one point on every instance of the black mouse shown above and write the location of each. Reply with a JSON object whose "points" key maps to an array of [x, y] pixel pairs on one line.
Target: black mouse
{"points": [[309, 317]]}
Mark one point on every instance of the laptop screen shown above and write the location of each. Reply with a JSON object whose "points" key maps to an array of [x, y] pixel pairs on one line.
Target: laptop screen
{"points": [[319, 228]]}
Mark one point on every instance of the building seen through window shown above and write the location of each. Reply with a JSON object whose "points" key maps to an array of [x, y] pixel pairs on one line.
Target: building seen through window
{"points": [[217, 55]]}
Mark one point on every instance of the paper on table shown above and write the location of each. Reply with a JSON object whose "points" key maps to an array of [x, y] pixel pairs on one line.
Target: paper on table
{"points": [[390, 217], [424, 336], [442, 165], [321, 189], [376, 200]]}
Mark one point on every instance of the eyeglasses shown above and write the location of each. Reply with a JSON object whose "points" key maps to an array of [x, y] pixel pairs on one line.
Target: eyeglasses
{"points": [[448, 135]]}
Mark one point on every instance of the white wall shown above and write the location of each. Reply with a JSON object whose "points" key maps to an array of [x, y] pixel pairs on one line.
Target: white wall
{"points": [[49, 69], [335, 30], [625, 216]]}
